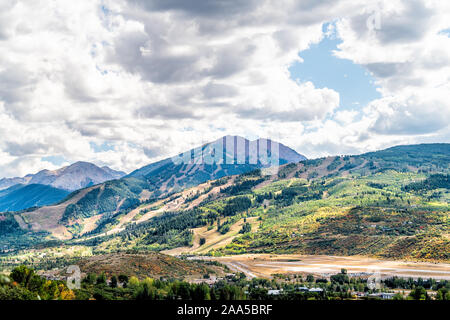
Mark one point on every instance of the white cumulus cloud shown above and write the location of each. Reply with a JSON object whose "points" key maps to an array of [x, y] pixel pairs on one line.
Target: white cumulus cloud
{"points": [[153, 78]]}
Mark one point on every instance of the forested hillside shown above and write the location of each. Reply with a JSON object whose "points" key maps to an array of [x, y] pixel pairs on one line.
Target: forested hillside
{"points": [[96, 208], [390, 204], [20, 197]]}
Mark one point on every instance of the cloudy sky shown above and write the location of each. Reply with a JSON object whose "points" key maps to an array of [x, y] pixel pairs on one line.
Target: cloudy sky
{"points": [[126, 82]]}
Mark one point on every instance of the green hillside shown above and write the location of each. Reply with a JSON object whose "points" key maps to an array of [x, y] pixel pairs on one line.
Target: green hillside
{"points": [[426, 157], [114, 199], [392, 204], [111, 196], [373, 204], [212, 161]]}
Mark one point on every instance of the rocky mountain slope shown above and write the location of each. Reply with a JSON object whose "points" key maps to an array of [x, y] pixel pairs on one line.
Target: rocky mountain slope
{"points": [[76, 176], [232, 155], [226, 156], [391, 203]]}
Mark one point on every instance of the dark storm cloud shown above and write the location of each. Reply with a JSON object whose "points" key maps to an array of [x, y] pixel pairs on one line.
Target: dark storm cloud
{"points": [[312, 4], [6, 25], [409, 25], [231, 59], [153, 152], [385, 70], [412, 119], [15, 83], [217, 90], [76, 88], [407, 124], [26, 148], [268, 114], [205, 8], [151, 57]]}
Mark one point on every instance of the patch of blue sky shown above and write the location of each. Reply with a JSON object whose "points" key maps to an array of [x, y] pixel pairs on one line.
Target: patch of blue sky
{"points": [[445, 32], [355, 85], [103, 72], [105, 10], [105, 146], [56, 160]]}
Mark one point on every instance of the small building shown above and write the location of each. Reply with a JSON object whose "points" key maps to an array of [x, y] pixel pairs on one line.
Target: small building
{"points": [[387, 296], [359, 294], [303, 289], [383, 295], [274, 292], [316, 290]]}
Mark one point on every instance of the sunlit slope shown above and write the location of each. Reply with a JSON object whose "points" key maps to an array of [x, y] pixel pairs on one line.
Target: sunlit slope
{"points": [[337, 205], [375, 204]]}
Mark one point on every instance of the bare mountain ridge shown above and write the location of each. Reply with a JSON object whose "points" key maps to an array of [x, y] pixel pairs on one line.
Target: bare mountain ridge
{"points": [[157, 180], [227, 152], [76, 176], [124, 201]]}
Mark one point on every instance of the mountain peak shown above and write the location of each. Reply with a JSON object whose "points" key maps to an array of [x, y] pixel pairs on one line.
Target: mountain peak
{"points": [[255, 151], [82, 164], [228, 155], [78, 175]]}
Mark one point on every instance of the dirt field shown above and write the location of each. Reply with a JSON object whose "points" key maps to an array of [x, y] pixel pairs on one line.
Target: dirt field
{"points": [[152, 264], [47, 218], [324, 266]]}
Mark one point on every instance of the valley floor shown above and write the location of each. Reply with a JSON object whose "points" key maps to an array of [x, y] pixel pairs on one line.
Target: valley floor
{"points": [[266, 265]]}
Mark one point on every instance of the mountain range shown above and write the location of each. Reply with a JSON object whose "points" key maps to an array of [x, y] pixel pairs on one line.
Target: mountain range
{"points": [[20, 197], [226, 156], [47, 187], [76, 176]]}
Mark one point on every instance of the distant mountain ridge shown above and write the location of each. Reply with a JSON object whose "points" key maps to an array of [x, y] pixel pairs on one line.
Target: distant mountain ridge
{"points": [[234, 155], [20, 197], [225, 156], [121, 203], [76, 176]]}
